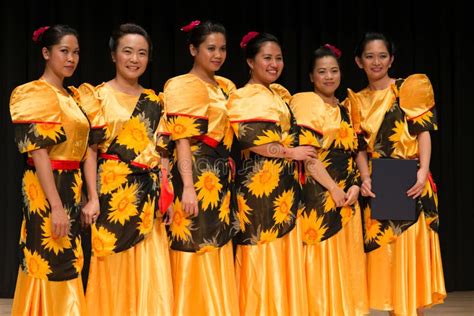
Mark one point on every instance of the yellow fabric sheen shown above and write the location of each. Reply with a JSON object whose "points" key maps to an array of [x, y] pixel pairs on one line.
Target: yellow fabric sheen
{"points": [[189, 95], [118, 108], [204, 284], [311, 111], [407, 274], [38, 101], [255, 102], [47, 298], [89, 101], [133, 282], [416, 95], [271, 277], [336, 273]]}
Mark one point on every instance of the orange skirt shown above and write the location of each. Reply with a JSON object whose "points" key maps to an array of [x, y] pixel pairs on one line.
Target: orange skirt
{"points": [[407, 274], [336, 273], [271, 278], [133, 282], [204, 284], [42, 297]]}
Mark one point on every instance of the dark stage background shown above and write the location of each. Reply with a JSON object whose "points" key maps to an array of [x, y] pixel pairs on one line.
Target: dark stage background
{"points": [[431, 38]]}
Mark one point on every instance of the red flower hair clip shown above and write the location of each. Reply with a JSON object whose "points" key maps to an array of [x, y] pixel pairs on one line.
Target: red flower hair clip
{"points": [[38, 32], [190, 26], [334, 49], [247, 38]]}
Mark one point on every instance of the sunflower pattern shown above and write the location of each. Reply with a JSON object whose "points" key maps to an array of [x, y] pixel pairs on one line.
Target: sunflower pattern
{"points": [[59, 125], [211, 139], [321, 218], [267, 190], [394, 139], [128, 190]]}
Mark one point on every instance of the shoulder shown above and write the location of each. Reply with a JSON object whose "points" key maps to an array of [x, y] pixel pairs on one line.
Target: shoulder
{"points": [[33, 89], [281, 91], [184, 82], [226, 84]]}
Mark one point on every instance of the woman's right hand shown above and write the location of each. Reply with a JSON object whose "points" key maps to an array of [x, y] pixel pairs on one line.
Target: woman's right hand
{"points": [[59, 222], [301, 153], [338, 195], [189, 201], [366, 188]]}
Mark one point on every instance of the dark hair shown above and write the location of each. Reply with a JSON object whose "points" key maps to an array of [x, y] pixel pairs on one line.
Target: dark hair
{"points": [[53, 35], [125, 29], [253, 46], [199, 33], [372, 36], [322, 51]]}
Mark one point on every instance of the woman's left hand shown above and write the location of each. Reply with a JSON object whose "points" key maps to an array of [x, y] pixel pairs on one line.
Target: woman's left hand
{"points": [[90, 211], [416, 190], [352, 195]]}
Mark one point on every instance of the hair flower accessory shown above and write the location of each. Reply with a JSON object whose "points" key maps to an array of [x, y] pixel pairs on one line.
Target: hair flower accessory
{"points": [[334, 49], [38, 32], [190, 26], [247, 38]]}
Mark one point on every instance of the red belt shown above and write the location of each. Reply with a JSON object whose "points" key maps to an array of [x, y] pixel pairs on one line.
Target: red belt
{"points": [[115, 157], [59, 164]]}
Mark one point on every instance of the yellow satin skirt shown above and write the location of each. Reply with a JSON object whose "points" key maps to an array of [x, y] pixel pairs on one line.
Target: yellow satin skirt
{"points": [[41, 297], [408, 273], [133, 282], [204, 284], [336, 275], [271, 277]]}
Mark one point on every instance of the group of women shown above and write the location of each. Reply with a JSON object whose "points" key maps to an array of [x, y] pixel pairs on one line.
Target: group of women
{"points": [[211, 200]]}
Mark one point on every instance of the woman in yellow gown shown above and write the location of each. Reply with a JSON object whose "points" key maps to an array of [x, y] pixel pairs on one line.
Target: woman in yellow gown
{"points": [[202, 224], [130, 270], [54, 131], [269, 259], [331, 221], [404, 266]]}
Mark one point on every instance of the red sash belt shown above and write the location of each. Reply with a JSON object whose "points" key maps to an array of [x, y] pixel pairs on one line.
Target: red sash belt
{"points": [[59, 164], [133, 163], [207, 140]]}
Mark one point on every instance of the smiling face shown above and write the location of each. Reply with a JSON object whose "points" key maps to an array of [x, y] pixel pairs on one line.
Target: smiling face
{"points": [[131, 56], [375, 60], [267, 64], [62, 58], [211, 53], [326, 76]]}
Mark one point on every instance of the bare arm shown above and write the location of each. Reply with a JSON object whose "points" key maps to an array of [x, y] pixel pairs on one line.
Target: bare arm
{"points": [[276, 150], [424, 152], [185, 166], [91, 210], [59, 217], [319, 173], [363, 165]]}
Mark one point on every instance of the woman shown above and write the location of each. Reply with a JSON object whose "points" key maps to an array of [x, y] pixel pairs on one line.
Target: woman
{"points": [[331, 224], [405, 272], [269, 261], [129, 270], [202, 225], [53, 130]]}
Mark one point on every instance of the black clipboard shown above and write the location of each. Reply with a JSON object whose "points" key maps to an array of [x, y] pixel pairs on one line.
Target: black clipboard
{"points": [[391, 179]]}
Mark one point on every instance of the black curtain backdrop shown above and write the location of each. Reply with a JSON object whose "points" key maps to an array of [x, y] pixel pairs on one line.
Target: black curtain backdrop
{"points": [[431, 38]]}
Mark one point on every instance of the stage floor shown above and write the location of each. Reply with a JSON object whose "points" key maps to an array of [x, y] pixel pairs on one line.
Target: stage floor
{"points": [[457, 304]]}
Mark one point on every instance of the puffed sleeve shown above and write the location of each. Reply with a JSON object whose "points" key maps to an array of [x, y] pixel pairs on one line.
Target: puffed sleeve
{"points": [[162, 133], [186, 101], [308, 110], [36, 115], [353, 104], [417, 101], [90, 102]]}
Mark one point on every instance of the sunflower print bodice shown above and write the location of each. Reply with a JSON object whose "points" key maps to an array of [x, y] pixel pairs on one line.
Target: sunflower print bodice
{"points": [[196, 110], [267, 189], [47, 118], [390, 121], [128, 167], [329, 129]]}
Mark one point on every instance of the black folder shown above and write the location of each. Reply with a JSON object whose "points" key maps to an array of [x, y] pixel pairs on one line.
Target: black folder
{"points": [[391, 179]]}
